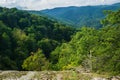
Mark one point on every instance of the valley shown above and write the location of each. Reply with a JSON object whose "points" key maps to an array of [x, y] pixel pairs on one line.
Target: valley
{"points": [[68, 43]]}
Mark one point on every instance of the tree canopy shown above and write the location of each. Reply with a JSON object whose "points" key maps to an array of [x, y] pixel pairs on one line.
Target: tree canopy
{"points": [[31, 42]]}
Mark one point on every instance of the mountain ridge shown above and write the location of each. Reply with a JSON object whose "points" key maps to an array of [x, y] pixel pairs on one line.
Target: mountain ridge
{"points": [[79, 16]]}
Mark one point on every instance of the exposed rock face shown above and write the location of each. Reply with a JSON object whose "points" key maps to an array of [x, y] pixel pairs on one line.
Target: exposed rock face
{"points": [[98, 78], [111, 78], [114, 78], [51, 75], [28, 76]]}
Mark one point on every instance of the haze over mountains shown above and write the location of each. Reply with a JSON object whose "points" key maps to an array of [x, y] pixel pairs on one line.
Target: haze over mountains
{"points": [[79, 16]]}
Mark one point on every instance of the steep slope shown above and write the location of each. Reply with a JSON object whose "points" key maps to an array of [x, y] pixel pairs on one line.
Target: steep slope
{"points": [[22, 34], [79, 16]]}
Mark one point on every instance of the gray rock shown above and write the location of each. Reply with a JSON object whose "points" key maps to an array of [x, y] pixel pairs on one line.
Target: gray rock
{"points": [[98, 78]]}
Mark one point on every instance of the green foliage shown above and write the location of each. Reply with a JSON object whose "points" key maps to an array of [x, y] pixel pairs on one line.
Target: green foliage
{"points": [[5, 48], [112, 19], [108, 49], [73, 53], [31, 42], [47, 46], [6, 63], [22, 33], [36, 61], [95, 50]]}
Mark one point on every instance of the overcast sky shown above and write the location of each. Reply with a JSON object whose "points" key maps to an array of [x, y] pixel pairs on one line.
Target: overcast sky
{"points": [[47, 4]]}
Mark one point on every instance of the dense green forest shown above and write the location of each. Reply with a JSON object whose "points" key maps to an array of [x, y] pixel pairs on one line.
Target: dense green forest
{"points": [[79, 16], [31, 42], [23, 34]]}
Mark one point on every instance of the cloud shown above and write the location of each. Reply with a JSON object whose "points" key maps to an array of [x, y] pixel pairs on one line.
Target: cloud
{"points": [[47, 4]]}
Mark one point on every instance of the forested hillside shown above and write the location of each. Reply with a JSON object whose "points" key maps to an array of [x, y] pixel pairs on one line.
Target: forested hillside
{"points": [[23, 34], [79, 16], [95, 49], [31, 42]]}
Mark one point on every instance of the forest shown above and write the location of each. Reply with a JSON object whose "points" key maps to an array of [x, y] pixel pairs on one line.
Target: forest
{"points": [[34, 42]]}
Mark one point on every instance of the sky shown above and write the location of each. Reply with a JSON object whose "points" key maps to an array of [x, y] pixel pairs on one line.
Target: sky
{"points": [[48, 4]]}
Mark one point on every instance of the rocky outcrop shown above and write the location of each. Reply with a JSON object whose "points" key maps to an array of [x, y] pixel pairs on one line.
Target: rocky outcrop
{"points": [[52, 75]]}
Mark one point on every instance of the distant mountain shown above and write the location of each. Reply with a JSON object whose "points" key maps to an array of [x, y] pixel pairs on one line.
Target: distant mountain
{"points": [[79, 16], [21, 8]]}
